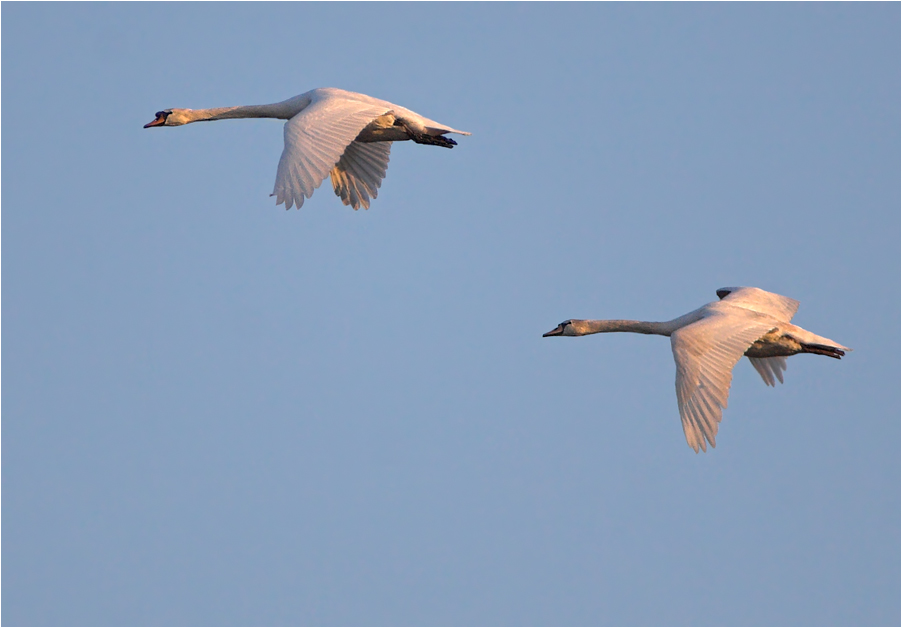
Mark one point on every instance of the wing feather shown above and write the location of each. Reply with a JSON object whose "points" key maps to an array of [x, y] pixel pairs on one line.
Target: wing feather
{"points": [[315, 141], [770, 369], [357, 176], [697, 426], [758, 300], [705, 353]]}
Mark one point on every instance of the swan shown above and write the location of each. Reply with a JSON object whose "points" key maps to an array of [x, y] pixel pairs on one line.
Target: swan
{"points": [[708, 342], [330, 132]]}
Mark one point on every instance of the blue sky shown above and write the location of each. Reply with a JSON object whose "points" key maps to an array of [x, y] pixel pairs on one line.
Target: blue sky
{"points": [[219, 412]]}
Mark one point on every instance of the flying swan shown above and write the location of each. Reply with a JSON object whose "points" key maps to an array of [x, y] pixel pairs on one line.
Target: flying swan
{"points": [[708, 342], [330, 132]]}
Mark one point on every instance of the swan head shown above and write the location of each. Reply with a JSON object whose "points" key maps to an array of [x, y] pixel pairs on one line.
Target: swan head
{"points": [[568, 328], [170, 117]]}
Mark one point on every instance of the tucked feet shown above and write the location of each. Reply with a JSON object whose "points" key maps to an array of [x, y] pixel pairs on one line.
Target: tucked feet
{"points": [[423, 138]]}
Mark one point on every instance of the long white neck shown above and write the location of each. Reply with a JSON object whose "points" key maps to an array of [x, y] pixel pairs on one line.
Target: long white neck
{"points": [[226, 113], [637, 327], [284, 110]]}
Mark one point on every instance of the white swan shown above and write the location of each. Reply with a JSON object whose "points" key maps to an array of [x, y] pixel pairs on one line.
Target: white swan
{"points": [[708, 342], [329, 132]]}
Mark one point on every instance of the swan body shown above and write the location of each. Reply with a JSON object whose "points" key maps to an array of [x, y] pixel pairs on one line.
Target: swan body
{"points": [[708, 342], [330, 132]]}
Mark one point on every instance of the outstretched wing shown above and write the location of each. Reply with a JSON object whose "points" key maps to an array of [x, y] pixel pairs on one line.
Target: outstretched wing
{"points": [[758, 300], [359, 173], [705, 353], [315, 140]]}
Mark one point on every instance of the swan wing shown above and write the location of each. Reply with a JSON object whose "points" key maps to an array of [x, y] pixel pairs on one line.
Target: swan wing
{"points": [[758, 300], [315, 140], [705, 353], [770, 369], [358, 174]]}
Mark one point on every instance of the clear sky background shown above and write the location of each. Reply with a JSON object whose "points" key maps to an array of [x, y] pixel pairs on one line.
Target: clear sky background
{"points": [[219, 412]]}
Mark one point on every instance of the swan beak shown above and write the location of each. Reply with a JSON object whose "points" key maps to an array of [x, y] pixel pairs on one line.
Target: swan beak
{"points": [[160, 120], [557, 331]]}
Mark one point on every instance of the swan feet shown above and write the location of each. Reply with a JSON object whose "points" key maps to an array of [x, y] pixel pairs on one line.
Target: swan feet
{"points": [[830, 352], [434, 140], [423, 138]]}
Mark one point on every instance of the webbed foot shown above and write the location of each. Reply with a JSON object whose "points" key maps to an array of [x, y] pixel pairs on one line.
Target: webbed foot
{"points": [[423, 138]]}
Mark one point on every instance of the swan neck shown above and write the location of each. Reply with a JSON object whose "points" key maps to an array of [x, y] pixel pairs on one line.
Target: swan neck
{"points": [[248, 111], [637, 327]]}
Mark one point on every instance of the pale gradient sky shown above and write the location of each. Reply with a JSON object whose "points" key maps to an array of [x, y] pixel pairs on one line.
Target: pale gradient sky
{"points": [[219, 412]]}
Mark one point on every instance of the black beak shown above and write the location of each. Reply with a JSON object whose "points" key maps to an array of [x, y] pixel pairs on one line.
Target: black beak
{"points": [[557, 331]]}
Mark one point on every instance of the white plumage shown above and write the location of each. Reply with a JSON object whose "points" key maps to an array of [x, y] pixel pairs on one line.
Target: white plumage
{"points": [[330, 133], [708, 342]]}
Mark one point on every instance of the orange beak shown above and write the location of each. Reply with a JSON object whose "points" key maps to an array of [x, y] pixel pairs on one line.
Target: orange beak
{"points": [[160, 120]]}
